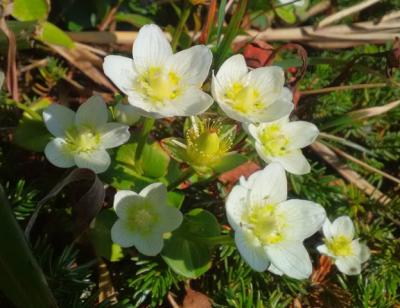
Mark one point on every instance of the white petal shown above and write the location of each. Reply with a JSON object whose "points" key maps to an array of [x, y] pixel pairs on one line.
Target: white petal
{"points": [[269, 80], [365, 253], [273, 269], [254, 255], [300, 134], [56, 154], [151, 48], [92, 113], [98, 161], [192, 64], [323, 249], [235, 205], [121, 72], [343, 225], [302, 218], [126, 114], [58, 119], [122, 233], [233, 114], [192, 102], [294, 162], [287, 94], [291, 258], [349, 265], [279, 109], [269, 186], [327, 229], [149, 244], [113, 134], [171, 219], [156, 193], [233, 69], [252, 130], [124, 200]]}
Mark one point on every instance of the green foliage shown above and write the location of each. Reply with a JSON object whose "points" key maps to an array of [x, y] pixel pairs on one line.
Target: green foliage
{"points": [[27, 10], [52, 34]]}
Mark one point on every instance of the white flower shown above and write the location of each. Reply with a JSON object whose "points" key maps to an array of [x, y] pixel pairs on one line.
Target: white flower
{"points": [[144, 218], [82, 138], [126, 114], [299, 3], [270, 230], [347, 253], [255, 96], [158, 83], [281, 141]]}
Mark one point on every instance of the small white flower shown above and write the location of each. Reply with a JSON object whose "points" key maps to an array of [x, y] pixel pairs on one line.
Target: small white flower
{"points": [[159, 83], [270, 230], [126, 114], [82, 138], [347, 253], [255, 96], [144, 218], [281, 141]]}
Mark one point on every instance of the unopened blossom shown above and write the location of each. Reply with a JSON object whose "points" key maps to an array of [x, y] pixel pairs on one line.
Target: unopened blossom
{"points": [[270, 230], [144, 218], [255, 96], [159, 83], [81, 138], [281, 141], [126, 114], [348, 253]]}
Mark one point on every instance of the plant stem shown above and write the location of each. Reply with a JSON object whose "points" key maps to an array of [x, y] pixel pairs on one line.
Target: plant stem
{"points": [[217, 240], [184, 176], [147, 126], [179, 29], [347, 87]]}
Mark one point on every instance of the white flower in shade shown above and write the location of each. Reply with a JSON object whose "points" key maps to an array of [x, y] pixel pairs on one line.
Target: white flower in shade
{"points": [[270, 230], [126, 114], [144, 218], [82, 138], [348, 254], [281, 141], [159, 83], [255, 96]]}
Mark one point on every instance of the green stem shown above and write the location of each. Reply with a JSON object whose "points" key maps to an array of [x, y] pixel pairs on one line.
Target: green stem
{"points": [[217, 240], [147, 127], [182, 22], [32, 113], [184, 176]]}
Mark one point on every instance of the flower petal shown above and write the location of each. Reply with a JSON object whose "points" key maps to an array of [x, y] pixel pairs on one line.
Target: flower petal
{"points": [[171, 219], [122, 233], [233, 69], [156, 193], [279, 109], [151, 48], [273, 269], [192, 64], [323, 249], [58, 119], [303, 218], [294, 162], [300, 134], [254, 255], [365, 253], [269, 185], [113, 134], [343, 225], [269, 80], [98, 161], [192, 102], [327, 229], [124, 200], [349, 265], [57, 155], [291, 258], [126, 114], [92, 113], [121, 72], [235, 205], [149, 244]]}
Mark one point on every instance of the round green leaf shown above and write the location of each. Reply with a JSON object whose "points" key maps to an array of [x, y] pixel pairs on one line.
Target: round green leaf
{"points": [[28, 10]]}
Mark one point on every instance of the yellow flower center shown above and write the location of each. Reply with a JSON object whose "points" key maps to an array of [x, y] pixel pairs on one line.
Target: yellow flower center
{"points": [[244, 99], [81, 139], [340, 246], [274, 141], [142, 217], [265, 223], [157, 85]]}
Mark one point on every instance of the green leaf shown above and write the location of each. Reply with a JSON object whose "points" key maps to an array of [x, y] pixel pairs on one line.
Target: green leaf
{"points": [[51, 34], [100, 235], [287, 13], [173, 148], [28, 10], [22, 280], [230, 162], [175, 199], [134, 19], [31, 133], [154, 161], [187, 251]]}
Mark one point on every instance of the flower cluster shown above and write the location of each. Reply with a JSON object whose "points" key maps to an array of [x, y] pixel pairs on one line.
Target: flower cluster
{"points": [[269, 230]]}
